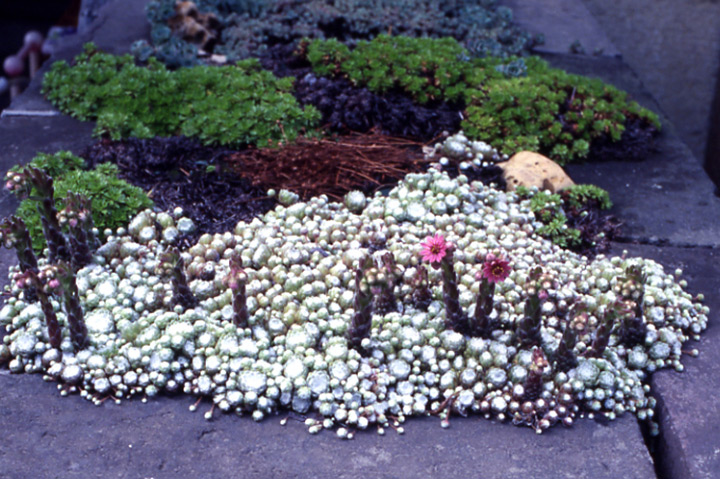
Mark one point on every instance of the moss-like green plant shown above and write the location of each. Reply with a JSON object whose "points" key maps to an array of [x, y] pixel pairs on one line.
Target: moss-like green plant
{"points": [[582, 196], [551, 208], [551, 111], [232, 105], [426, 68], [113, 201], [509, 104], [55, 165]]}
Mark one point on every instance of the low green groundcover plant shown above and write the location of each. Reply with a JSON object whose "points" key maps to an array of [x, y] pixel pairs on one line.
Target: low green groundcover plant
{"points": [[113, 200], [550, 209], [515, 104], [232, 105]]}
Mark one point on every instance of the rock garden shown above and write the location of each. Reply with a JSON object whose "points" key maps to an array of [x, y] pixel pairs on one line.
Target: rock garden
{"points": [[351, 215]]}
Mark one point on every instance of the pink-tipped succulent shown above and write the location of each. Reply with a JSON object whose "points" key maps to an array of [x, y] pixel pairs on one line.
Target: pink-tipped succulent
{"points": [[14, 234], [78, 218], [495, 270], [439, 253]]}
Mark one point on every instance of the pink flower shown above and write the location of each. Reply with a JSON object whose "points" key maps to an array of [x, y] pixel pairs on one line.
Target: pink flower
{"points": [[434, 248], [495, 269]]}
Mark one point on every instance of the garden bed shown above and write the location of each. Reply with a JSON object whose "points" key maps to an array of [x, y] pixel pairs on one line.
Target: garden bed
{"points": [[565, 434]]}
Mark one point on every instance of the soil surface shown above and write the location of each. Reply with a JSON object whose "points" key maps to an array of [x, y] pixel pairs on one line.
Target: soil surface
{"points": [[217, 188]]}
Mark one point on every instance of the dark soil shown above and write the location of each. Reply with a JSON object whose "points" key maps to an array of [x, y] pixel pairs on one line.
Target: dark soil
{"points": [[346, 108], [636, 143], [218, 188], [180, 172], [597, 229]]}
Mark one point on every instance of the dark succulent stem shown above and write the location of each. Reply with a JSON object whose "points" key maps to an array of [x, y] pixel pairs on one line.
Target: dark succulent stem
{"points": [[13, 233], [78, 217], [565, 358], [421, 294], [236, 281], [455, 319], [181, 291], [362, 318], [54, 334], [480, 323], [73, 310], [533, 385], [57, 246], [528, 331], [386, 280], [602, 335], [633, 328]]}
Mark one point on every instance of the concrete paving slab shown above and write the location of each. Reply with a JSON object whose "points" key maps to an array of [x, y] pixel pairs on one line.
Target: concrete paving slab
{"points": [[49, 436], [562, 22], [666, 199], [24, 137], [689, 403]]}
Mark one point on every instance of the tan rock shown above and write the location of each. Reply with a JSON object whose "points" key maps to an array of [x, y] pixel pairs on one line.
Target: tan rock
{"points": [[529, 169]]}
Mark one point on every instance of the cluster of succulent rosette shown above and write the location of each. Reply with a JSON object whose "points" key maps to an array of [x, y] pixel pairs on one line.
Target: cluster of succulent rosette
{"points": [[346, 312]]}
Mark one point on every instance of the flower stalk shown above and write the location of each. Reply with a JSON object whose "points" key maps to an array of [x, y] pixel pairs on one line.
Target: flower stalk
{"points": [[57, 245], [495, 269], [439, 253], [236, 280], [64, 275], [421, 296], [387, 277], [533, 385], [78, 218], [528, 331], [565, 358], [361, 322], [14, 234], [172, 261], [602, 334]]}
